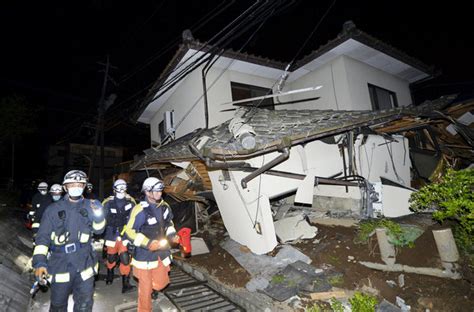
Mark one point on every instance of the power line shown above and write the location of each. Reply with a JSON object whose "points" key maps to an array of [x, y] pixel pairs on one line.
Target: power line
{"points": [[253, 111], [195, 27], [253, 21], [131, 31], [247, 17]]}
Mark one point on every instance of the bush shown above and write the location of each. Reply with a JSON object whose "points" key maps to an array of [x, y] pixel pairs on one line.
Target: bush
{"points": [[399, 235], [363, 303], [451, 199]]}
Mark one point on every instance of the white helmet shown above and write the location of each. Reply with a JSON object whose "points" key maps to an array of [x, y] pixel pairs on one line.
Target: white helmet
{"points": [[43, 186], [120, 185], [56, 188], [152, 184], [74, 176]]}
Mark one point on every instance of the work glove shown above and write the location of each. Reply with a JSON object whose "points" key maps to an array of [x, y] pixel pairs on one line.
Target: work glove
{"points": [[40, 273]]}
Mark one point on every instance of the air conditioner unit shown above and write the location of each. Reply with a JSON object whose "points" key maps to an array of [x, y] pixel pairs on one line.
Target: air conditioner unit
{"points": [[169, 122]]}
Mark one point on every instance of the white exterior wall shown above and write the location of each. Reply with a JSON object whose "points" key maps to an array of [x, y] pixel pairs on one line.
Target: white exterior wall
{"points": [[334, 93], [190, 92], [360, 74], [344, 80], [181, 101]]}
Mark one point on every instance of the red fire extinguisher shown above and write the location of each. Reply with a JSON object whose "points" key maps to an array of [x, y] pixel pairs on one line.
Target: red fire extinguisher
{"points": [[185, 241]]}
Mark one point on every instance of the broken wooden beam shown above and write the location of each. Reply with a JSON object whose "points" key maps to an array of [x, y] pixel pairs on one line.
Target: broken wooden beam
{"points": [[328, 295]]}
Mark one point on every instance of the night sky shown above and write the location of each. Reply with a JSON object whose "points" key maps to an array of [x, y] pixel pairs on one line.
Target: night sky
{"points": [[50, 51]]}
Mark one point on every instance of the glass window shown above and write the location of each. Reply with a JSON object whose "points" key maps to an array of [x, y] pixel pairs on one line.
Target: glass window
{"points": [[382, 98], [242, 91], [161, 130]]}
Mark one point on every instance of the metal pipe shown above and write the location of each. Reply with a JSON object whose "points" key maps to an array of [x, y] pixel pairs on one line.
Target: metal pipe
{"points": [[204, 88], [296, 176], [211, 164], [281, 158]]}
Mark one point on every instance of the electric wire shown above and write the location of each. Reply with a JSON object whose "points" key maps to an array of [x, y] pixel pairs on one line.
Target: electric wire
{"points": [[249, 21], [183, 72], [195, 27]]}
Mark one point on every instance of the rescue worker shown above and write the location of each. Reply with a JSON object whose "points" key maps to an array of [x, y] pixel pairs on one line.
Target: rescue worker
{"points": [[89, 193], [117, 209], [66, 232], [56, 192], [39, 202], [151, 230]]}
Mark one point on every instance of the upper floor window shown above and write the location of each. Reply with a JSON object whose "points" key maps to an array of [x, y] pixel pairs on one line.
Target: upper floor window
{"points": [[242, 91], [382, 98], [161, 130]]}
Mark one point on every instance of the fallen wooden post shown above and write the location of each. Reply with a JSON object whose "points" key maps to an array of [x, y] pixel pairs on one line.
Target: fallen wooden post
{"points": [[328, 295]]}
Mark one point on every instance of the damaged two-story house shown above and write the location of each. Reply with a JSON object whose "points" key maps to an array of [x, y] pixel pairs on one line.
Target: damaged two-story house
{"points": [[306, 137]]}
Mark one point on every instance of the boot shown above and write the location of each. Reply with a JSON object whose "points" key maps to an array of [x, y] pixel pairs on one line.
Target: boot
{"points": [[110, 276], [126, 286]]}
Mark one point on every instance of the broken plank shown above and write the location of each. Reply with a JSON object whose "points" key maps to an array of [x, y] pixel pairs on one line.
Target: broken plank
{"points": [[328, 295]]}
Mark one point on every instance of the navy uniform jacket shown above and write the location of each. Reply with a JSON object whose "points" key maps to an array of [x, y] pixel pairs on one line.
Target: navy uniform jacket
{"points": [[66, 231], [117, 212], [39, 204], [150, 222]]}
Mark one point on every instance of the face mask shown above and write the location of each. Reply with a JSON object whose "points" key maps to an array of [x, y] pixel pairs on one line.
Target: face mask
{"points": [[56, 197], [120, 195], [75, 191], [43, 192]]}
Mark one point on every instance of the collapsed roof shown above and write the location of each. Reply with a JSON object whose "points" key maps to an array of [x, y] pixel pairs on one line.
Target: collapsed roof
{"points": [[276, 129]]}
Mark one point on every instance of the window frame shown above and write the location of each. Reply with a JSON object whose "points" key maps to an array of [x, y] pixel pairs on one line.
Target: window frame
{"points": [[374, 101], [256, 88]]}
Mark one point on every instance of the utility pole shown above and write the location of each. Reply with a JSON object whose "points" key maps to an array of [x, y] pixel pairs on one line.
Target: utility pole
{"points": [[99, 130]]}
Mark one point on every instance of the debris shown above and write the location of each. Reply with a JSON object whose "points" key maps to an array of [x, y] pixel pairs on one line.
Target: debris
{"points": [[334, 221], [294, 278], [426, 302], [391, 283], [281, 211], [386, 306], [401, 280], [401, 303], [370, 290], [328, 295], [350, 258], [466, 119], [264, 265], [198, 246], [257, 283], [293, 228], [295, 302]]}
